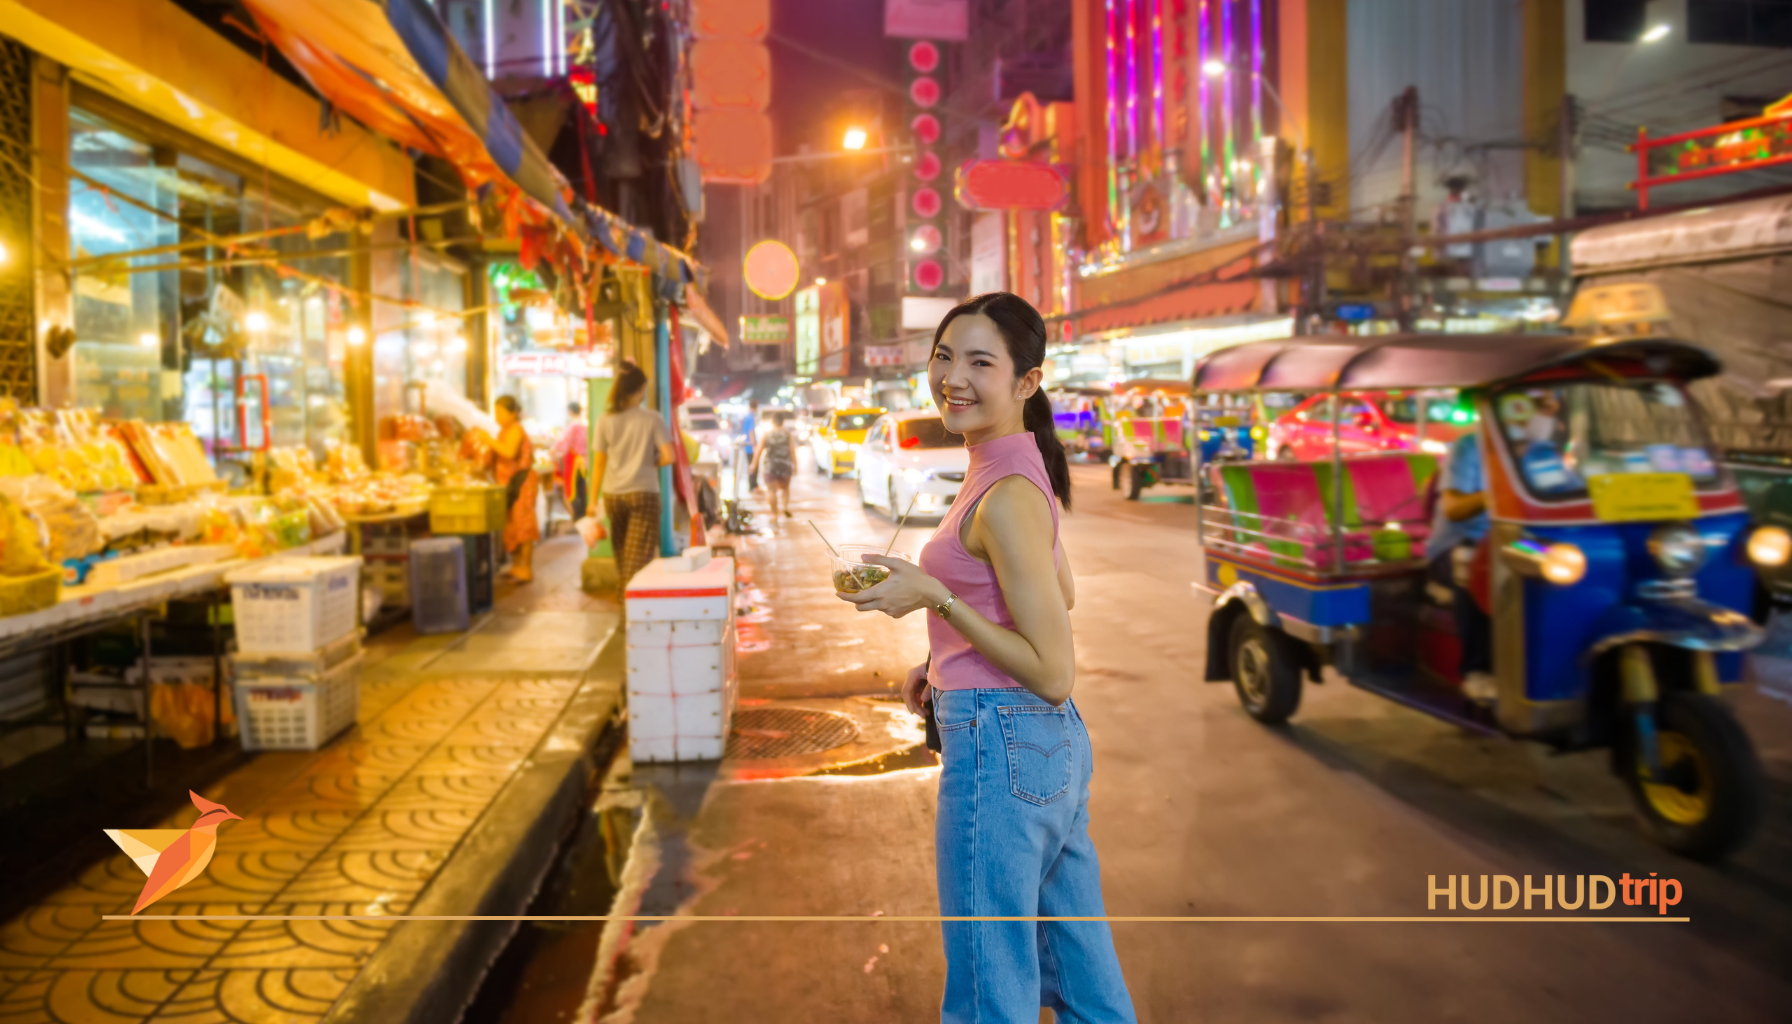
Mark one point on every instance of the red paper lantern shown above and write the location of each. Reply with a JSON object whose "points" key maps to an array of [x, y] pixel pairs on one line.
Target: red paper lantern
{"points": [[928, 167], [926, 203], [929, 275], [926, 240], [924, 92], [924, 57], [926, 128]]}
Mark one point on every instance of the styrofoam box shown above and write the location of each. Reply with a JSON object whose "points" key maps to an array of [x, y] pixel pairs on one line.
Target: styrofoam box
{"points": [[665, 591], [295, 605], [682, 684]]}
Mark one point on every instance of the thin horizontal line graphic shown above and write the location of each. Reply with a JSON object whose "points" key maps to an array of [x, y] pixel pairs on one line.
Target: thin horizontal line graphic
{"points": [[912, 918]]}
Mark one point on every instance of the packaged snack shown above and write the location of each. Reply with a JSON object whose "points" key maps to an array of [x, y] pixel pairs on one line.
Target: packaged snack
{"points": [[22, 541], [69, 527]]}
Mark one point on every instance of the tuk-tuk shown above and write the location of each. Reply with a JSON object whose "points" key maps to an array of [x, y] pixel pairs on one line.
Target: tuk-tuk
{"points": [[1149, 435], [1077, 414], [1617, 569]]}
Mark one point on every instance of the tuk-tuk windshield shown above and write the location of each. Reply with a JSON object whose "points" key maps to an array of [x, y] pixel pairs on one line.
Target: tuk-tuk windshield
{"points": [[1562, 434]]}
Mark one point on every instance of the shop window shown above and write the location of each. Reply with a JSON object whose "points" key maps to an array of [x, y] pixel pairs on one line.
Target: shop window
{"points": [[1740, 22], [169, 326], [1615, 21]]}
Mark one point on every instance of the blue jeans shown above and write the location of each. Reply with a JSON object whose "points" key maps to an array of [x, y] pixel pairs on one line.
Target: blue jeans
{"points": [[1011, 839]]}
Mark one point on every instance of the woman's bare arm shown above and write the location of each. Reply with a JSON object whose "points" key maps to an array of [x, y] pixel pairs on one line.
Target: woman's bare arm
{"points": [[508, 444], [1066, 582]]}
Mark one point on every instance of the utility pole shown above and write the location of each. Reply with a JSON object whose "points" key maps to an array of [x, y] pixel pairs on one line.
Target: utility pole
{"points": [[1565, 131], [1407, 106], [1315, 297]]}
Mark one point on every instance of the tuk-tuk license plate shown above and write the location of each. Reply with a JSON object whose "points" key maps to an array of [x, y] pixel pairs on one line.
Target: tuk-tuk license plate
{"points": [[1635, 497]]}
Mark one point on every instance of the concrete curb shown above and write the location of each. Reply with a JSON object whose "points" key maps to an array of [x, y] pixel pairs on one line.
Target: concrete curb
{"points": [[429, 971]]}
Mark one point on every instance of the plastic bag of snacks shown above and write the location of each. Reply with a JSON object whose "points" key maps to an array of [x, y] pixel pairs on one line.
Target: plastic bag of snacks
{"points": [[22, 541], [71, 529]]}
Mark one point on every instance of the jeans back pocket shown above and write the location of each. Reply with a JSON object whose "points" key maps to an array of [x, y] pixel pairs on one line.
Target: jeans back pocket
{"points": [[1041, 758]]}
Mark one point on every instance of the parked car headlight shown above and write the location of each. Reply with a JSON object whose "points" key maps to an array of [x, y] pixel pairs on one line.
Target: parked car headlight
{"points": [[914, 476], [1678, 549], [1770, 546], [841, 446]]}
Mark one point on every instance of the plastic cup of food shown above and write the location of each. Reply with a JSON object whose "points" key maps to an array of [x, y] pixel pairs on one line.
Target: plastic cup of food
{"points": [[852, 575]]}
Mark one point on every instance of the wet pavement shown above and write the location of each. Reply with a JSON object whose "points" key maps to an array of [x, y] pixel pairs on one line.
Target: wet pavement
{"points": [[1196, 809]]}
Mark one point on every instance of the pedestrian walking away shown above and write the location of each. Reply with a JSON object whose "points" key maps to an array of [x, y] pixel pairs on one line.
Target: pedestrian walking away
{"points": [[777, 456], [1011, 835], [627, 450], [749, 431], [568, 455], [513, 463]]}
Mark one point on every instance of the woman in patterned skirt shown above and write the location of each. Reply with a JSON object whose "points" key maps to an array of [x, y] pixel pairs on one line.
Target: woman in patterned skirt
{"points": [[513, 463]]}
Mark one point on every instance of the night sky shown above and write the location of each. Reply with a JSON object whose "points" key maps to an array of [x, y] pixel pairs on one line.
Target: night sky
{"points": [[802, 86]]}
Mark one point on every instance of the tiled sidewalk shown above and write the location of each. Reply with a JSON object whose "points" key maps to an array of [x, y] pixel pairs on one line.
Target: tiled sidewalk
{"points": [[361, 827]]}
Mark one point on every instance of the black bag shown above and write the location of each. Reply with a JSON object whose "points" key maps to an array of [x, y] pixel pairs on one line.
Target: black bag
{"points": [[513, 490], [933, 728]]}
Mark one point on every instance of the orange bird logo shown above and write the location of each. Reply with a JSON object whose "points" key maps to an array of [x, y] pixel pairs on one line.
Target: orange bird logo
{"points": [[172, 857]]}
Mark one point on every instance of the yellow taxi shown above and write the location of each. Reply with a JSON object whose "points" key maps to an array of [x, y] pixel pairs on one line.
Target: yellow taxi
{"points": [[837, 442]]}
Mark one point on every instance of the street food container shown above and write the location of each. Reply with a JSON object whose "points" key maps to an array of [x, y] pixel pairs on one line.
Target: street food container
{"points": [[852, 574], [682, 682]]}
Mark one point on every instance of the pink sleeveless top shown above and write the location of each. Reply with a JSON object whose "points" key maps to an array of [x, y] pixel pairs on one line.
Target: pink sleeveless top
{"points": [[955, 665]]}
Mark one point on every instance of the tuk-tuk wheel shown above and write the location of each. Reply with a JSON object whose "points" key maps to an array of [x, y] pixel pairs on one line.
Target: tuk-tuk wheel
{"points": [[1135, 482], [1709, 801], [1265, 670]]}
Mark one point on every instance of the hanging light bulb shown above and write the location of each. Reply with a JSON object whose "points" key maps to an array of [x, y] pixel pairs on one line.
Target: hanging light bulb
{"points": [[357, 337], [256, 321]]}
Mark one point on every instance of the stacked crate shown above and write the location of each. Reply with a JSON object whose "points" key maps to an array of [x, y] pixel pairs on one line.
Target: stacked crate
{"points": [[682, 683], [476, 515], [298, 663]]}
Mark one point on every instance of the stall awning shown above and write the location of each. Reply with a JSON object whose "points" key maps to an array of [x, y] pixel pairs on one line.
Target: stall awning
{"points": [[1730, 231], [393, 66]]}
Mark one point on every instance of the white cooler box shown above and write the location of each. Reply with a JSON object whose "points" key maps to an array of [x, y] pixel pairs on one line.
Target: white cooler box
{"points": [[681, 674]]}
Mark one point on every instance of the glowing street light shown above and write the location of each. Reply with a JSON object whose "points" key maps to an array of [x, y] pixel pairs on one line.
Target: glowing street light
{"points": [[821, 280], [855, 138], [149, 340], [357, 337], [1657, 33], [1214, 68], [256, 321]]}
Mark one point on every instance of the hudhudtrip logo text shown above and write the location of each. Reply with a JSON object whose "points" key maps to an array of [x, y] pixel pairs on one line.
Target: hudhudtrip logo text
{"points": [[1595, 892]]}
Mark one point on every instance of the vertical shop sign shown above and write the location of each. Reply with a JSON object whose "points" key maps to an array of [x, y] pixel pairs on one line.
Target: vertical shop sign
{"points": [[832, 312], [808, 331]]}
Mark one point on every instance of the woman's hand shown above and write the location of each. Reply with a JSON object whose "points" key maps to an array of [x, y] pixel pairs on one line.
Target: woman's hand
{"points": [[914, 690], [908, 589]]}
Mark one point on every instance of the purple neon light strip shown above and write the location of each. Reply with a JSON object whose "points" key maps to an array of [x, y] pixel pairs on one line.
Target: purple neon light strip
{"points": [[1228, 111], [1256, 71], [1113, 120], [1157, 77], [1132, 81], [1203, 47]]}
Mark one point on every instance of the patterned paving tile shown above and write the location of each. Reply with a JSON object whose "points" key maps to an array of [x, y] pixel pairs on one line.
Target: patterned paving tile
{"points": [[366, 876], [488, 727], [277, 829], [502, 759], [277, 996], [458, 790], [360, 754], [46, 930], [354, 789], [133, 945], [106, 996], [419, 828], [246, 876]]}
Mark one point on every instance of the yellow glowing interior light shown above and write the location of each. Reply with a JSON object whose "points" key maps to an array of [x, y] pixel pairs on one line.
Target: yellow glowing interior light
{"points": [[1770, 545], [149, 340], [357, 336], [855, 138], [256, 321]]}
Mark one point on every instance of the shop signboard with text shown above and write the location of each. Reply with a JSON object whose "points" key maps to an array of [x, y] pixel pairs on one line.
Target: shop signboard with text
{"points": [[832, 312], [765, 329], [808, 330]]}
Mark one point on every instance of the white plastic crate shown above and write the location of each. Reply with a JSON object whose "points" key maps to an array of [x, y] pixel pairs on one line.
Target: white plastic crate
{"points": [[295, 605], [682, 682], [298, 712]]}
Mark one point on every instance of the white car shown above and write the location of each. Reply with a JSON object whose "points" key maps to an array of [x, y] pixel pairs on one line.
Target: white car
{"points": [[698, 418], [910, 456]]}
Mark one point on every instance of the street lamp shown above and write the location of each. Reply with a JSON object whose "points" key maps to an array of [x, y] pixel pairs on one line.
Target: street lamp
{"points": [[855, 139], [1657, 33]]}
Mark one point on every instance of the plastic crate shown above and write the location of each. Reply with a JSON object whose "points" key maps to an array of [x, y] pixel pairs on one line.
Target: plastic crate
{"points": [[482, 568], [316, 662], [21, 595], [439, 586], [300, 712], [393, 582], [466, 510], [295, 604]]}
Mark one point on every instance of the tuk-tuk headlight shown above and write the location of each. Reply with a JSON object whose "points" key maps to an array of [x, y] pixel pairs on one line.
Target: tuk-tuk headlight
{"points": [[1561, 563], [1678, 549], [1770, 546]]}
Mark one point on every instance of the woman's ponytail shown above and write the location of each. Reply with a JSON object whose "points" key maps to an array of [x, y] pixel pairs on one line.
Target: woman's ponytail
{"points": [[1023, 329], [1037, 415]]}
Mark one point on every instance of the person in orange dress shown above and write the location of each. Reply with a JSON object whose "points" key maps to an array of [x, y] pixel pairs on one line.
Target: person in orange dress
{"points": [[514, 456]]}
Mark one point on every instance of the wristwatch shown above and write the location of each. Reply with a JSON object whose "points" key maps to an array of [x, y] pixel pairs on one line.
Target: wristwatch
{"points": [[944, 610]]}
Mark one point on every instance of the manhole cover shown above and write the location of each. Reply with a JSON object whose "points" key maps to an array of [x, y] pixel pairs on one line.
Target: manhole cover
{"points": [[783, 732]]}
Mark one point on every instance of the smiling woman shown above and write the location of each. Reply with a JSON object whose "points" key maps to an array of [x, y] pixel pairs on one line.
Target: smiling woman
{"points": [[1011, 835]]}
